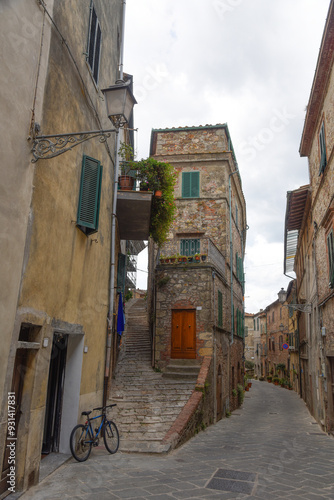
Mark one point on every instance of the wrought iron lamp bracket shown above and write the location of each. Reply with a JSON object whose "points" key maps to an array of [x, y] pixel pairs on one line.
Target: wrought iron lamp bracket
{"points": [[305, 308], [49, 146]]}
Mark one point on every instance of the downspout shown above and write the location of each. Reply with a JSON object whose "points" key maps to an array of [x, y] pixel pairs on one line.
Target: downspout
{"points": [[113, 230], [214, 351], [231, 250]]}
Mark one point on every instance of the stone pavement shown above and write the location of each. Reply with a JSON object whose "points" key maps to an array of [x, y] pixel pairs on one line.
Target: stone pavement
{"points": [[271, 448]]}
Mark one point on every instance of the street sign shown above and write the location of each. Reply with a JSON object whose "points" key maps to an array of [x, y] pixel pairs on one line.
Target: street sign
{"points": [[285, 346]]}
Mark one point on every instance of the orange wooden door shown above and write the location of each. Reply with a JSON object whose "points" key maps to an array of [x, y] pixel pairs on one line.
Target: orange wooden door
{"points": [[183, 334]]}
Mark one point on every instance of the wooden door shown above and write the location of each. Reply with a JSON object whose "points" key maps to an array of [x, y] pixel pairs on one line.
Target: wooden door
{"points": [[183, 334]]}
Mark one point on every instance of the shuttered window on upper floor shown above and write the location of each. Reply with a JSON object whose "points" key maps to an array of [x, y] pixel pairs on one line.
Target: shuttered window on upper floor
{"points": [[322, 144], [94, 43], [89, 195], [190, 184], [220, 309], [330, 249]]}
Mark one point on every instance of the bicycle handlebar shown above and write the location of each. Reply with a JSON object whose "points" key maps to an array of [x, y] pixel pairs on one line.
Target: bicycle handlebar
{"points": [[105, 407]]}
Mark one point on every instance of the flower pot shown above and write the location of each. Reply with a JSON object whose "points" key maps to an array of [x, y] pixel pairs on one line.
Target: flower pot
{"points": [[197, 258], [158, 194], [172, 259], [143, 186], [184, 259], [126, 182], [162, 261], [203, 257], [190, 259]]}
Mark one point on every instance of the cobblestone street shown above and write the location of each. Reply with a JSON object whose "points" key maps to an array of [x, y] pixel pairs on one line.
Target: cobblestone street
{"points": [[271, 448]]}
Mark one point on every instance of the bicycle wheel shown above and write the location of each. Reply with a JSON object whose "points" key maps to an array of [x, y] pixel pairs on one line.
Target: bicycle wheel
{"points": [[110, 436], [80, 442]]}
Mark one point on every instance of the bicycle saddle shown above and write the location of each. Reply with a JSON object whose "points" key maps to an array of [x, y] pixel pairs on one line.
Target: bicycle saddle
{"points": [[86, 413]]}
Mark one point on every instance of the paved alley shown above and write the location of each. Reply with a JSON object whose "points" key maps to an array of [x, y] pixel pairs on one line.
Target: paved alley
{"points": [[271, 448]]}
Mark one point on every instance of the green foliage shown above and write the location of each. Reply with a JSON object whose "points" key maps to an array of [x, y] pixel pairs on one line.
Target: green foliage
{"points": [[228, 414], [234, 392], [249, 365], [280, 367], [163, 281], [241, 394], [128, 295], [160, 176]]}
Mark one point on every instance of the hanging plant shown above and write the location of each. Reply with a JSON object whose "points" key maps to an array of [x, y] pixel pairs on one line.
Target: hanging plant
{"points": [[159, 176]]}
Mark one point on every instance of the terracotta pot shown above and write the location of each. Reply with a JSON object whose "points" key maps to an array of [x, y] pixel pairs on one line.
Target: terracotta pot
{"points": [[126, 182], [158, 194]]}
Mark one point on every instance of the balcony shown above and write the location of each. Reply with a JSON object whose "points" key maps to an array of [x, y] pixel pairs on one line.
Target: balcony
{"points": [[133, 214]]}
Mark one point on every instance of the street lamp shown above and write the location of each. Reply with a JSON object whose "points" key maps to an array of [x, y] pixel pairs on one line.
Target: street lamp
{"points": [[119, 102], [282, 295]]}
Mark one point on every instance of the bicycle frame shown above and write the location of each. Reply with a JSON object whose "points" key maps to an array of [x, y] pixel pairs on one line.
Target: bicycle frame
{"points": [[89, 426]]}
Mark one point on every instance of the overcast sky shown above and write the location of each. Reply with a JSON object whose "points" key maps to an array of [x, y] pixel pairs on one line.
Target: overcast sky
{"points": [[247, 63]]}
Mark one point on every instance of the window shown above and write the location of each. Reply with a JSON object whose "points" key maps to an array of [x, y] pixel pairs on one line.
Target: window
{"points": [[322, 144], [89, 196], [281, 342], [189, 247], [220, 308], [330, 247], [94, 43], [190, 184]]}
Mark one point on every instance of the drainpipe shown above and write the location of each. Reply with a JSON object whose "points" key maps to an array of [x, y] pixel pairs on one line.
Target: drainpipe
{"points": [[113, 231], [231, 250], [214, 351]]}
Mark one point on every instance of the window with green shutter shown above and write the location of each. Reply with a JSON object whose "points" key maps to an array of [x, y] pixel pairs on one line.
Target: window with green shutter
{"points": [[94, 43], [322, 144], [89, 196], [190, 247], [190, 184], [330, 248], [220, 309]]}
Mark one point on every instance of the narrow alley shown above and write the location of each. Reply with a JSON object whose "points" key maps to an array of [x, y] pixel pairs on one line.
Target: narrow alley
{"points": [[269, 448]]}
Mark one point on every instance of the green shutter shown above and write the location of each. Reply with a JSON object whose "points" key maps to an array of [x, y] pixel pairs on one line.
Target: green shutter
{"points": [[220, 308], [190, 184], [194, 184], [190, 247], [323, 156], [89, 196], [330, 245], [186, 184]]}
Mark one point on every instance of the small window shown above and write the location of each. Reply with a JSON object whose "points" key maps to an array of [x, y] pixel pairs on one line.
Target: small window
{"points": [[330, 247], [220, 309], [281, 342], [94, 44], [189, 247], [322, 144], [89, 196], [190, 184]]}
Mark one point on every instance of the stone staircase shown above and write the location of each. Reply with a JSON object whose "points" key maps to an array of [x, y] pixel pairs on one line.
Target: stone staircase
{"points": [[148, 402]]}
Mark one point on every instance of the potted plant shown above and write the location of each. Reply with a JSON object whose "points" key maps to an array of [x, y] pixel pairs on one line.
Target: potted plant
{"points": [[126, 179], [269, 378], [203, 257], [275, 380], [197, 257], [173, 258], [190, 258]]}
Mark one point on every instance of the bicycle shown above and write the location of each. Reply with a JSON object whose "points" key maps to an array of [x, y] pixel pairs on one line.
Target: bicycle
{"points": [[82, 437]]}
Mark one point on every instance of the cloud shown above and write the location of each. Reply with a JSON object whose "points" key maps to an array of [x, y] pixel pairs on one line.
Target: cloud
{"points": [[248, 63]]}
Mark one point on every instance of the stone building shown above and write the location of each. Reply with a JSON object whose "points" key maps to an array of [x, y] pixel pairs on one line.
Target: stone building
{"points": [[309, 240], [199, 304], [56, 263], [259, 333], [276, 337], [249, 337]]}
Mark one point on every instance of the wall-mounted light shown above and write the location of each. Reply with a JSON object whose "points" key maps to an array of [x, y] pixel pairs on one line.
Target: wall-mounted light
{"points": [[282, 295], [119, 102]]}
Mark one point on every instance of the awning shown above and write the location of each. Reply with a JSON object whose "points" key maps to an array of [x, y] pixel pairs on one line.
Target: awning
{"points": [[294, 217]]}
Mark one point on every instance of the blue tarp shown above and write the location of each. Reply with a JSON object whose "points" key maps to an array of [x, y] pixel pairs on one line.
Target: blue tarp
{"points": [[120, 316]]}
